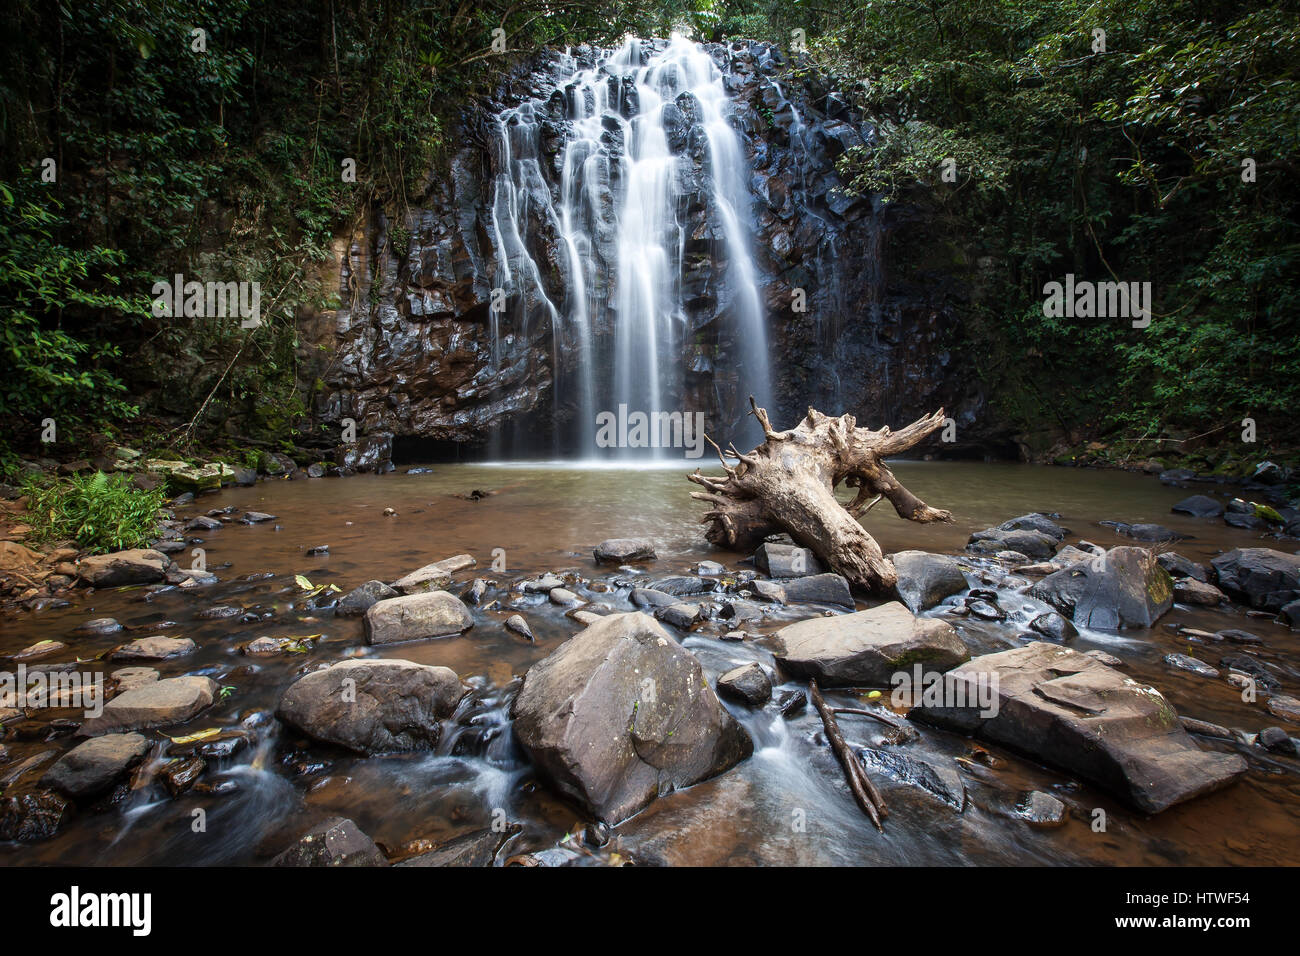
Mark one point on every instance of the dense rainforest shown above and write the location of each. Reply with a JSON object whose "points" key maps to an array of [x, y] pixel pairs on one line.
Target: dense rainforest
{"points": [[1145, 141]]}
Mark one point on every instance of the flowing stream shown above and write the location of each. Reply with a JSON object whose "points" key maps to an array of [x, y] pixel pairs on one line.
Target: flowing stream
{"points": [[786, 804]]}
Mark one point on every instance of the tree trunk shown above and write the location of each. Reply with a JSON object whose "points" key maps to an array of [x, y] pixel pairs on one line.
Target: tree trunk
{"points": [[787, 484]]}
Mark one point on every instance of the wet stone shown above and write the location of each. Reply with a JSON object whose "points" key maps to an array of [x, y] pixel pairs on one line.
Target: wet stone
{"points": [[1041, 810], [747, 683]]}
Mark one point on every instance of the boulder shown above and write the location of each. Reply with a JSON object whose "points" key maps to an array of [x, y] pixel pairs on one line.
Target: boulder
{"points": [[1035, 522], [1198, 506], [621, 714], [156, 648], [649, 597], [1034, 545], [747, 684], [1071, 711], [92, 767], [417, 616], [786, 561], [1126, 588], [361, 599], [157, 704], [924, 580], [1181, 567], [373, 706], [1192, 591], [624, 550], [866, 648], [136, 566], [336, 842], [1263, 578], [679, 615]]}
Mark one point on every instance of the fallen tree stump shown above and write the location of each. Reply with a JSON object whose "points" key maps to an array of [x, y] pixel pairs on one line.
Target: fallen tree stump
{"points": [[787, 484]]}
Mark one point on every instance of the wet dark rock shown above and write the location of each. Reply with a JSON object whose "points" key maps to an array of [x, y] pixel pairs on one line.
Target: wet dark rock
{"points": [[373, 706], [1126, 589], [360, 599], [1290, 614], [1204, 728], [1041, 810], [1262, 577], [624, 551], [985, 610], [651, 598], [154, 649], [475, 593], [318, 550], [336, 842], [416, 617], [942, 782], [1277, 740], [1035, 522], [825, 588], [256, 517], [747, 684], [1033, 545], [36, 815], [219, 746], [157, 704], [543, 585], [218, 612], [768, 591], [517, 624], [1192, 664], [471, 849], [685, 585], [1253, 667], [1247, 522], [1268, 473], [710, 568], [621, 714], [679, 615], [1236, 636], [791, 702], [786, 561], [202, 523], [924, 580], [1198, 506], [179, 775], [1069, 710], [136, 566], [92, 767], [1181, 567], [1054, 627], [1110, 660], [866, 648]]}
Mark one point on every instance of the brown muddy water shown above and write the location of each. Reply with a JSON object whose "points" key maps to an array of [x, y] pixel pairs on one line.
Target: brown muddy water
{"points": [[788, 804]]}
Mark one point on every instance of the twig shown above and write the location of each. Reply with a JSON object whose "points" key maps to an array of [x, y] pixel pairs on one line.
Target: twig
{"points": [[864, 791]]}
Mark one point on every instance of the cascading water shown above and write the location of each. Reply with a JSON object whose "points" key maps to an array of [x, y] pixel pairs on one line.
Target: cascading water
{"points": [[635, 127]]}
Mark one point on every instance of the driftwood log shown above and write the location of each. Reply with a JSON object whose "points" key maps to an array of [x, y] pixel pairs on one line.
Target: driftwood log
{"points": [[787, 484], [864, 791]]}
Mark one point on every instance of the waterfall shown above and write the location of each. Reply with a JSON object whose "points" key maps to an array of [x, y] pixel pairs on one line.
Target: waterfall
{"points": [[633, 126]]}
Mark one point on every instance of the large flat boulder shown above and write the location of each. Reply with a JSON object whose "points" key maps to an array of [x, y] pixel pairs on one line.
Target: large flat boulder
{"points": [[373, 706], [92, 767], [417, 616], [924, 579], [1125, 588], [622, 714], [1264, 578], [136, 566], [865, 649], [164, 702], [1070, 710]]}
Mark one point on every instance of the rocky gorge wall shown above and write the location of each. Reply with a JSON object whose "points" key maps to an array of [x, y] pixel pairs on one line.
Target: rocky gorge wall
{"points": [[416, 355]]}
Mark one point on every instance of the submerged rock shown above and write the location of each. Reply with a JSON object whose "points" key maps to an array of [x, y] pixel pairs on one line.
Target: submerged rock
{"points": [[154, 649], [1033, 545], [943, 783], [415, 617], [471, 849], [1198, 506], [336, 842], [373, 706], [1069, 710], [360, 599], [866, 648], [924, 580], [1126, 588], [621, 714], [1041, 810]]}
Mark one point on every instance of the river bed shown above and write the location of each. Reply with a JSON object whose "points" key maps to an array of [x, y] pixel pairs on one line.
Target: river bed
{"points": [[785, 805]]}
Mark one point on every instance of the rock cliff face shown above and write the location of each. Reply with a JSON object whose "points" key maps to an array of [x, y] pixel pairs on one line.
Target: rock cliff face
{"points": [[416, 353]]}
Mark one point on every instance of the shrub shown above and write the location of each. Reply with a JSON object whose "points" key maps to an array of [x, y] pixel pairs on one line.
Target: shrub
{"points": [[100, 512]]}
